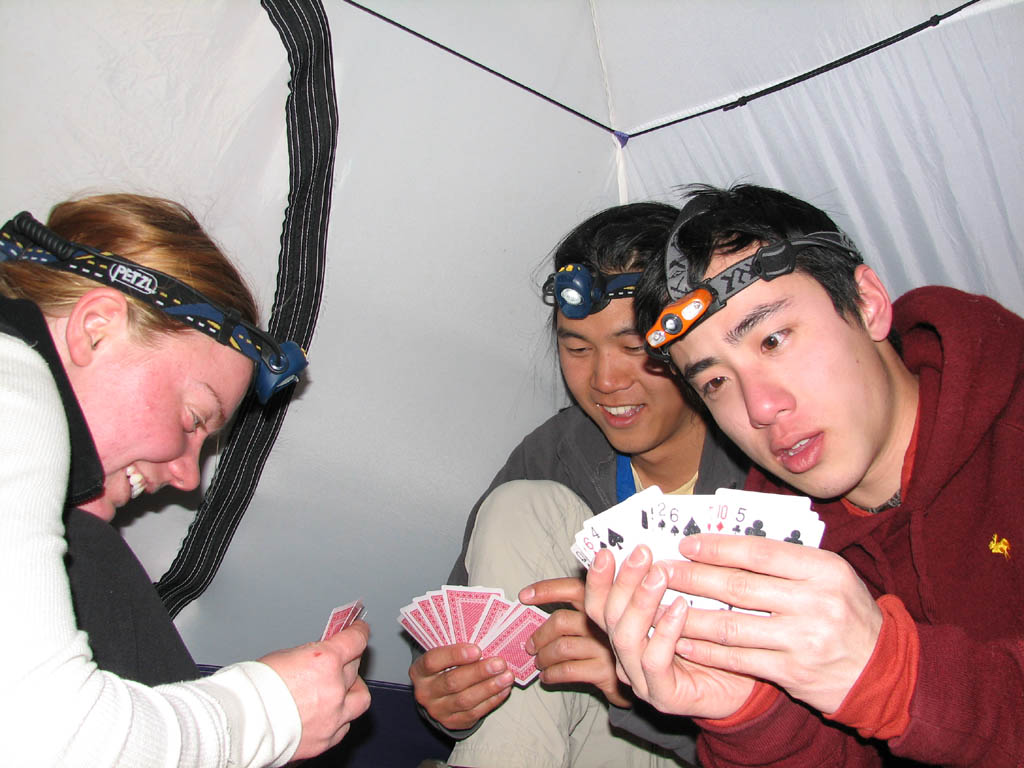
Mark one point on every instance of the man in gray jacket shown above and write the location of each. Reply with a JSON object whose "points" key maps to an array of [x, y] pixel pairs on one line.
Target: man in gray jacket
{"points": [[631, 426]]}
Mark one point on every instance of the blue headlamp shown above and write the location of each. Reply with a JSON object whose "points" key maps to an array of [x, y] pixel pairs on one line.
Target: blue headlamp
{"points": [[580, 290], [277, 364]]}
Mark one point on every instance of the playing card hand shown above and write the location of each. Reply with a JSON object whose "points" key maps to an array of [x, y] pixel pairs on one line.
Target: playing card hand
{"points": [[627, 607], [456, 687], [568, 646], [323, 679], [823, 622]]}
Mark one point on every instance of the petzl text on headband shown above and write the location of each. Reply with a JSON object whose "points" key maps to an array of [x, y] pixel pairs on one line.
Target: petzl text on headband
{"points": [[693, 302], [277, 364], [580, 290]]}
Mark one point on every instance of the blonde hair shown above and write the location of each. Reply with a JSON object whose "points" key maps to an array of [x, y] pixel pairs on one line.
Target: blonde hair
{"points": [[153, 232]]}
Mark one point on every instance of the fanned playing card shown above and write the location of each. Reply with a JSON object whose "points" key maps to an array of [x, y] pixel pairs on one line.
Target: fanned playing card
{"points": [[508, 640], [660, 521], [342, 617], [478, 615]]}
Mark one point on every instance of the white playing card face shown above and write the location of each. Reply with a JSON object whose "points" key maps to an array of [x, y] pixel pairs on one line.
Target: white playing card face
{"points": [[615, 528], [585, 557], [773, 516], [661, 521]]}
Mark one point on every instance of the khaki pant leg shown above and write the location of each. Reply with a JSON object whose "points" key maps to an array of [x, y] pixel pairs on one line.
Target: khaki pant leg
{"points": [[523, 534]]}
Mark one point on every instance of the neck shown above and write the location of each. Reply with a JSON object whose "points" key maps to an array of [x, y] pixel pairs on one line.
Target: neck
{"points": [[674, 461], [882, 480]]}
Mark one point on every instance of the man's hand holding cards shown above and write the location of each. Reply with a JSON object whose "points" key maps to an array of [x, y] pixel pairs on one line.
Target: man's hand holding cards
{"points": [[660, 521], [479, 615]]}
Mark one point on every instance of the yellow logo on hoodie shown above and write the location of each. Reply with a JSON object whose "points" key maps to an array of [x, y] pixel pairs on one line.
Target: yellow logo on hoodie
{"points": [[999, 546]]}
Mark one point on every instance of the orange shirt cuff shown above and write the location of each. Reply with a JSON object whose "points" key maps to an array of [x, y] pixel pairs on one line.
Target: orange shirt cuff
{"points": [[878, 704], [758, 702]]}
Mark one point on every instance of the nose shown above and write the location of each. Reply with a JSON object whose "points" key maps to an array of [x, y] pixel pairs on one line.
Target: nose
{"points": [[184, 470], [766, 399], [611, 372]]}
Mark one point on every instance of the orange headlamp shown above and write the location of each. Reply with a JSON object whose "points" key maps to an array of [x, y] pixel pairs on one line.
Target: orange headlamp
{"points": [[678, 317], [695, 301]]}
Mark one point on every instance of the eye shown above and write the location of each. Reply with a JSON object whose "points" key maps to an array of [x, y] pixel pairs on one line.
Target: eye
{"points": [[711, 386], [197, 422], [575, 349], [773, 341]]}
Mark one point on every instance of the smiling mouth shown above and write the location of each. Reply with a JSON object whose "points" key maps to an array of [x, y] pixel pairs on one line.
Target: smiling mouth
{"points": [[136, 481], [620, 410]]}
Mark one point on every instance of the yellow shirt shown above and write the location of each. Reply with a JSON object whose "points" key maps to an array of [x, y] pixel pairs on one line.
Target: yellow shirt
{"points": [[685, 489]]}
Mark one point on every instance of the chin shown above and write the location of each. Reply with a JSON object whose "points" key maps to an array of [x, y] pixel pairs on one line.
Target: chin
{"points": [[102, 508]]}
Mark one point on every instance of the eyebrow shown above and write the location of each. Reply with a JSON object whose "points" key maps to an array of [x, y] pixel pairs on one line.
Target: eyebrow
{"points": [[735, 335], [752, 318], [564, 333], [220, 405]]}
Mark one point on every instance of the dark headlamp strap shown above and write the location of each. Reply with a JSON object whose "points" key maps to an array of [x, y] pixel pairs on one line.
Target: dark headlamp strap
{"points": [[621, 286], [25, 239], [693, 304], [677, 270]]}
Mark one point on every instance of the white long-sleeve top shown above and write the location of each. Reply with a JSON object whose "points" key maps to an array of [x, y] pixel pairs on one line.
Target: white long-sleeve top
{"points": [[56, 706]]}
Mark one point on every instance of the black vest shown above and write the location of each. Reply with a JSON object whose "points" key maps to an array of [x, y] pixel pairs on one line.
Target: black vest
{"points": [[129, 629]]}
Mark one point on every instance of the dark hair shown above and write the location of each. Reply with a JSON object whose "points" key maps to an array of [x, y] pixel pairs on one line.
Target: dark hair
{"points": [[731, 219], [624, 238]]}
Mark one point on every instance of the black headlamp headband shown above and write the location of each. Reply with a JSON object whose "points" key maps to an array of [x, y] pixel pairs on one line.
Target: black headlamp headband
{"points": [[278, 364], [579, 290], [693, 303]]}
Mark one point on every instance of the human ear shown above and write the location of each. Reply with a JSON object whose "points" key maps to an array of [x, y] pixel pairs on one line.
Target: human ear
{"points": [[97, 317], [874, 303]]}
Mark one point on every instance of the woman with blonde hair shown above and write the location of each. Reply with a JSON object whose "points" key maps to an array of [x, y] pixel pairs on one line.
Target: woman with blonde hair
{"points": [[127, 339]]}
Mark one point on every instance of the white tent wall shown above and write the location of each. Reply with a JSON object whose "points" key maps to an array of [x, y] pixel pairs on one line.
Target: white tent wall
{"points": [[431, 354], [914, 150]]}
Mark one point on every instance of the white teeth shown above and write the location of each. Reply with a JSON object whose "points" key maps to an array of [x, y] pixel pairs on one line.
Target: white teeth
{"points": [[796, 448], [619, 410], [136, 481]]}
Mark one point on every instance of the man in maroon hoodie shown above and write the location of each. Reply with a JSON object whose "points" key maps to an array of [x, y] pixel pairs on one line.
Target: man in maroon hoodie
{"points": [[903, 636]]}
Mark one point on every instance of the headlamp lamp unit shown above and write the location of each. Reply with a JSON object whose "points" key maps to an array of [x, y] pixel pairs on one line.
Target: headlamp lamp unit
{"points": [[579, 290], [277, 364], [692, 303]]}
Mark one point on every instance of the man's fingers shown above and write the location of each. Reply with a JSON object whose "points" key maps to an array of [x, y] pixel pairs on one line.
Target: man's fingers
{"points": [[559, 624], [571, 648], [598, 585], [468, 718], [563, 590], [357, 700], [752, 553], [351, 641], [437, 660], [633, 570]]}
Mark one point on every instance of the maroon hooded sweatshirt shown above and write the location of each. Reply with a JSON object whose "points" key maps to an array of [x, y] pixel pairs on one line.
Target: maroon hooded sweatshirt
{"points": [[933, 552]]}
